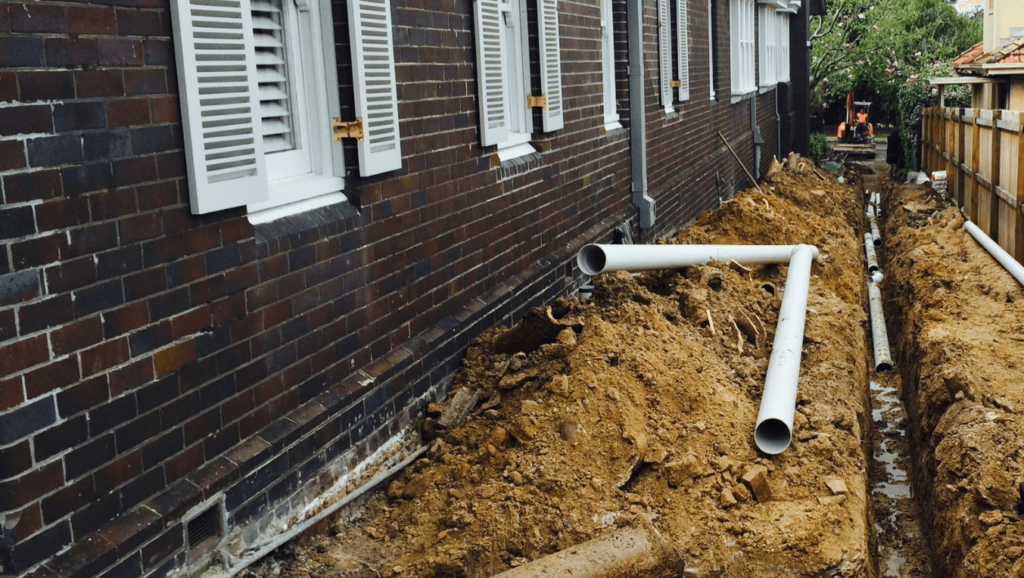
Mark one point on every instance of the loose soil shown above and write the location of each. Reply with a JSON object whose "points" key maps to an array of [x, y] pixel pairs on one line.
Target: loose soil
{"points": [[959, 316], [644, 405]]}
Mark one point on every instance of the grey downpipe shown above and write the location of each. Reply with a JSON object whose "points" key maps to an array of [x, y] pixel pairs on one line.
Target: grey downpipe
{"points": [[758, 138], [778, 126], [637, 112]]}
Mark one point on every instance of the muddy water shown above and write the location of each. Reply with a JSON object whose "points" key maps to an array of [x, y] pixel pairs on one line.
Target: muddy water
{"points": [[902, 549]]}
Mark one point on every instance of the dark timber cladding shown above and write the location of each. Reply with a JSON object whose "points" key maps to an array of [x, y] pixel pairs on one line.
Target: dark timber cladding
{"points": [[152, 361]]}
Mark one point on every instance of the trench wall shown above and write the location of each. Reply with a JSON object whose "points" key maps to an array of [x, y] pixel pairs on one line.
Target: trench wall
{"points": [[152, 360]]}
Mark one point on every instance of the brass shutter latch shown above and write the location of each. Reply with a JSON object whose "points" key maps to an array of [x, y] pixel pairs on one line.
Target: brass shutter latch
{"points": [[352, 129]]}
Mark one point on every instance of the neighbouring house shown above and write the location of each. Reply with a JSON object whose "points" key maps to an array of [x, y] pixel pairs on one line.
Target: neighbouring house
{"points": [[244, 242]]}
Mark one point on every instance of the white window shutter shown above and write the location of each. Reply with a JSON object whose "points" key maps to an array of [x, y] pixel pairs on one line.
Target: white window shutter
{"points": [[376, 96], [665, 52], [550, 64], [491, 57], [220, 109], [683, 49]]}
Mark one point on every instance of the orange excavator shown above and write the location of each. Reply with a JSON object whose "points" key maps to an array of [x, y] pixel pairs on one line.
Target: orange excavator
{"points": [[856, 134]]}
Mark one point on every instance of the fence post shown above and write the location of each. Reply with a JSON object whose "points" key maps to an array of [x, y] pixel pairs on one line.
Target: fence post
{"points": [[960, 129], [994, 201], [1018, 193], [975, 163]]}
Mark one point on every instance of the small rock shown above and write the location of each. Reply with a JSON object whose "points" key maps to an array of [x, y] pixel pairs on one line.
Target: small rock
{"points": [[530, 407], [741, 492], [634, 498], [832, 500], [683, 469], [756, 478], [559, 384], [991, 517], [398, 569], [416, 487], [517, 478], [395, 490], [497, 436], [836, 486], [567, 337], [727, 499], [655, 456], [567, 429]]}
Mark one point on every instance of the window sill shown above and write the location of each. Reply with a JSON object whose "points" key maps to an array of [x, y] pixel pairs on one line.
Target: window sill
{"points": [[739, 97], [767, 89], [266, 214], [515, 151], [612, 126]]}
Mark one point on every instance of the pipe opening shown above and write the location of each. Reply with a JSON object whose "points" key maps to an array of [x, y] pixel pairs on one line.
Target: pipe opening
{"points": [[769, 288], [883, 367], [773, 436], [714, 280], [591, 260], [878, 242], [873, 269]]}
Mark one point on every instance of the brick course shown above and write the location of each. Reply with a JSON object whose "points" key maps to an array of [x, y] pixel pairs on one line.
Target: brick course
{"points": [[151, 359]]}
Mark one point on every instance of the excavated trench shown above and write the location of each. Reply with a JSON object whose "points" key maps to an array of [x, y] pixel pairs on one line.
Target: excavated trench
{"points": [[634, 409]]}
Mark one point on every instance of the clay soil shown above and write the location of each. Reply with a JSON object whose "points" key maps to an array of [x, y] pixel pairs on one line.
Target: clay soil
{"points": [[644, 406], [959, 316]]}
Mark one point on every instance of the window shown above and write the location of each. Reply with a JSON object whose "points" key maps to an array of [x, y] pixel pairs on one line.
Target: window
{"points": [[741, 46], [258, 93], [503, 73], [767, 45], [665, 47], [611, 112], [782, 35], [711, 48]]}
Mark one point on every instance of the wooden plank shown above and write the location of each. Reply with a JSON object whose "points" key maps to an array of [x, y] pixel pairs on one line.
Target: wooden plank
{"points": [[1018, 250], [975, 162], [994, 173]]}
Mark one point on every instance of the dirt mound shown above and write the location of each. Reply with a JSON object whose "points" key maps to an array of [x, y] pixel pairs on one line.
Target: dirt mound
{"points": [[960, 316], [644, 405]]}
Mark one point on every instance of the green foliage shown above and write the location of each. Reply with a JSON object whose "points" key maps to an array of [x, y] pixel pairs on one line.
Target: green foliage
{"points": [[884, 43], [819, 147]]}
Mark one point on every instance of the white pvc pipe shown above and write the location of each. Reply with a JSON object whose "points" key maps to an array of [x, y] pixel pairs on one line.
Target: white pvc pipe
{"points": [[876, 235], [1004, 258], [595, 259], [869, 250], [879, 335], [774, 429]]}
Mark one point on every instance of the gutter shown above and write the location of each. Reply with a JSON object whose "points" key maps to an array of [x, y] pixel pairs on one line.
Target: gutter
{"points": [[637, 111]]}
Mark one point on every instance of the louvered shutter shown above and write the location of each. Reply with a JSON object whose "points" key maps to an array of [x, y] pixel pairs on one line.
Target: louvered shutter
{"points": [[665, 52], [490, 66], [272, 75], [550, 64], [376, 97], [217, 81], [683, 48]]}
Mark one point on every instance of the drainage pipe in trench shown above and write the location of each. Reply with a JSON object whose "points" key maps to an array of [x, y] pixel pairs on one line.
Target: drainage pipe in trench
{"points": [[773, 431], [869, 249], [876, 235], [1005, 259], [639, 552], [879, 335]]}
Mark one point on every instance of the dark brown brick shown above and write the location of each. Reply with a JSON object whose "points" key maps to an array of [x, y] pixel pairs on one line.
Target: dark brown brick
{"points": [[150, 338], [62, 214], [165, 109], [145, 283], [12, 155], [24, 187], [38, 548], [120, 52], [140, 228], [162, 547], [128, 111], [21, 51], [192, 322], [15, 460], [69, 275], [91, 20], [51, 377], [22, 490], [125, 319], [58, 438], [90, 554], [71, 51], [46, 85], [76, 336], [118, 472], [135, 22], [11, 394], [38, 18], [82, 396], [159, 52], [119, 262], [8, 330], [145, 81], [68, 499], [137, 170], [98, 297], [132, 530], [79, 116], [38, 251], [157, 195], [185, 462], [89, 457], [130, 377], [25, 120], [108, 144], [45, 314], [104, 356], [154, 139], [94, 83], [8, 86], [23, 354]]}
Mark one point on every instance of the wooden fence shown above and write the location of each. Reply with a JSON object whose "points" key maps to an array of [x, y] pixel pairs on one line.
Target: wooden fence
{"points": [[982, 153]]}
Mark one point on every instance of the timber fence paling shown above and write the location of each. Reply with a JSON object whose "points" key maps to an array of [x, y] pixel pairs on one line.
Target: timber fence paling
{"points": [[982, 152]]}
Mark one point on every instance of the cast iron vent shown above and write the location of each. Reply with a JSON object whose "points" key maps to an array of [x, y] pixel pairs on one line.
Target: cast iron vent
{"points": [[204, 526]]}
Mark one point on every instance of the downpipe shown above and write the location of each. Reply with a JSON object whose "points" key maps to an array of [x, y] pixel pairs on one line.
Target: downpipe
{"points": [[879, 335], [773, 431], [1005, 259], [637, 109]]}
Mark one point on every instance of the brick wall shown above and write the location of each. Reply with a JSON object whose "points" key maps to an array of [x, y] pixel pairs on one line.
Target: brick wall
{"points": [[152, 360]]}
